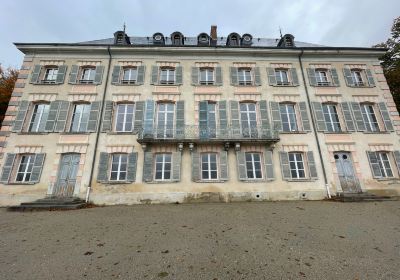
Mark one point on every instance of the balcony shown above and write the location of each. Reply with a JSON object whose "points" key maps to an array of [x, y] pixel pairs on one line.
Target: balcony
{"points": [[195, 134]]}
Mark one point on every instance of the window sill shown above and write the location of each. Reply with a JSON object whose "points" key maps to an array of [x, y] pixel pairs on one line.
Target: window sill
{"points": [[393, 179], [167, 84], [32, 133], [301, 180], [337, 132], [376, 132], [162, 182], [126, 84], [48, 84], [116, 182], [122, 133], [255, 180], [75, 133], [324, 86], [361, 86], [293, 132], [200, 85], [211, 181], [252, 85], [21, 183], [285, 85]]}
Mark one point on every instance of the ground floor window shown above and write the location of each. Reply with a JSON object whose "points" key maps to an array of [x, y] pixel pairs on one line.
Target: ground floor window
{"points": [[24, 171], [209, 170], [119, 166], [253, 165], [163, 164], [296, 163]]}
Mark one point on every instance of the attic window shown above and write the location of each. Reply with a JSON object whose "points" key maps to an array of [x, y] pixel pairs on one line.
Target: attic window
{"points": [[177, 39], [288, 42], [120, 39], [234, 41]]}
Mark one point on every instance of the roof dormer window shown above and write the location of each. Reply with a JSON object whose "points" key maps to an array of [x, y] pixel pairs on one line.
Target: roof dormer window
{"points": [[233, 40], [177, 39], [158, 39], [203, 39], [247, 40]]}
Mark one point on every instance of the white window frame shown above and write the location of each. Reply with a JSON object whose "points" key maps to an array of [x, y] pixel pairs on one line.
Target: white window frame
{"points": [[288, 114], [212, 130], [87, 79], [248, 120], [208, 72], [163, 163], [50, 75], [170, 76], [124, 117], [368, 118], [280, 74], [296, 162], [132, 77], [168, 132], [42, 117], [246, 74], [357, 76], [79, 124], [209, 170], [322, 77], [253, 165], [382, 166], [331, 115], [27, 170], [122, 159]]}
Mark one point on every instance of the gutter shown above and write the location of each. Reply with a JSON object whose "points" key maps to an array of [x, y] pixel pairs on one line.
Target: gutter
{"points": [[328, 193], [99, 125]]}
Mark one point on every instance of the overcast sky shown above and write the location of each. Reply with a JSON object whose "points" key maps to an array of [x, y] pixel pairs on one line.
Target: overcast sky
{"points": [[327, 22]]}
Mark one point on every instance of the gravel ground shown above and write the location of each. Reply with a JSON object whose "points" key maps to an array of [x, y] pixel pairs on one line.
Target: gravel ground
{"points": [[273, 240]]}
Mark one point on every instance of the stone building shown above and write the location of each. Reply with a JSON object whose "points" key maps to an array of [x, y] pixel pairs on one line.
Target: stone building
{"points": [[207, 118]]}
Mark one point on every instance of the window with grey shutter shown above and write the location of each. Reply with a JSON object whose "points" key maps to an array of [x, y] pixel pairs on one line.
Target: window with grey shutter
{"points": [[176, 166], [139, 113], [107, 117], [257, 76], [116, 75], [348, 117], [271, 76], [178, 75], [62, 116], [293, 75], [140, 75], [276, 116], [319, 116], [102, 172], [94, 116], [218, 76], [132, 166], [396, 155], [154, 75], [203, 119], [335, 77], [148, 167], [312, 168], [35, 74], [304, 116], [356, 109], [37, 168], [241, 165], [180, 119], [370, 78], [285, 169], [20, 118], [62, 69], [311, 76], [385, 116], [269, 165], [374, 163], [195, 76], [98, 75], [195, 166], [7, 168], [223, 119], [148, 121], [265, 124], [73, 74], [235, 121], [348, 77], [52, 117], [223, 165], [234, 76]]}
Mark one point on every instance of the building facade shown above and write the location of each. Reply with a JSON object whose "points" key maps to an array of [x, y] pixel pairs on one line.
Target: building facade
{"points": [[162, 119]]}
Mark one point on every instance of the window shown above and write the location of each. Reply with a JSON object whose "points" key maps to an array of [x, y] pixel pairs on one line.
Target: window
{"points": [[206, 76], [384, 164], [50, 75], [167, 76], [39, 117], [163, 167], [125, 117], [130, 75], [209, 165], [369, 117], [282, 77], [80, 117], [248, 119], [87, 75], [357, 77], [245, 76], [24, 171], [119, 167], [331, 117], [296, 164], [322, 77], [165, 120], [212, 120], [288, 116], [253, 165], [177, 40]]}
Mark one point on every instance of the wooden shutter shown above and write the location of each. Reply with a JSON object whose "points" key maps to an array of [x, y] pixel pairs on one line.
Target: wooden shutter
{"points": [[276, 116], [7, 168], [178, 75], [396, 155], [154, 75], [20, 117], [385, 116], [271, 76], [132, 166], [140, 75], [319, 116], [223, 119], [102, 172], [73, 74], [311, 77], [223, 165], [94, 116], [107, 117], [203, 119], [373, 161], [52, 117], [148, 122], [176, 166], [139, 113], [234, 76], [180, 120], [257, 76], [37, 168], [370, 78], [356, 109], [195, 76], [98, 75], [335, 77], [312, 168], [62, 116], [265, 124], [241, 166], [348, 77], [284, 159], [304, 116], [235, 119], [148, 167], [196, 167], [269, 165], [293, 74], [62, 69], [35, 74], [218, 76], [348, 118], [115, 75]]}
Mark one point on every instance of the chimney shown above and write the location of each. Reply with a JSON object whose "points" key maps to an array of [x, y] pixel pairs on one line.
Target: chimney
{"points": [[213, 35]]}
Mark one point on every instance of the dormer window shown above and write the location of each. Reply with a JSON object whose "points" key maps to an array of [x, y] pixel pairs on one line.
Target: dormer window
{"points": [[247, 40], [233, 40], [130, 75], [158, 39], [287, 41], [87, 75], [177, 39], [203, 39], [120, 39], [167, 76]]}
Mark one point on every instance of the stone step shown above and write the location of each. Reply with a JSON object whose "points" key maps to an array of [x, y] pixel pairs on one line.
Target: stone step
{"points": [[31, 207], [359, 197]]}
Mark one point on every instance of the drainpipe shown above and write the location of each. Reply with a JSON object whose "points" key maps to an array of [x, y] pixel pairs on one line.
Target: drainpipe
{"points": [[328, 193], [99, 126]]}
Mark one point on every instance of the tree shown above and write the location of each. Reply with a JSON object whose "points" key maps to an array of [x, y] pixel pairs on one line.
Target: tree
{"points": [[391, 61], [8, 77]]}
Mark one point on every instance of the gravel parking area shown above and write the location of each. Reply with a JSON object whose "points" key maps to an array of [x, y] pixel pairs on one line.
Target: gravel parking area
{"points": [[272, 240]]}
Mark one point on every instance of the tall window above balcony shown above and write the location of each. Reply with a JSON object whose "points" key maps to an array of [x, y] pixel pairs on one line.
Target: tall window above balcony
{"points": [[165, 120], [124, 117], [369, 117], [40, 113], [80, 118], [248, 119], [331, 117], [288, 116]]}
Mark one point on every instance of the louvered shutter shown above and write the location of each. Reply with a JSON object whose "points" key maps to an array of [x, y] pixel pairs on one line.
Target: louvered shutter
{"points": [[62, 69], [35, 74], [178, 75], [312, 168], [180, 120], [396, 155], [154, 75], [115, 75], [7, 168], [132, 166], [284, 159], [348, 77], [304, 116], [265, 124], [356, 109], [370, 78], [269, 165], [203, 119], [374, 163], [348, 118], [37, 168], [195, 76], [73, 74], [293, 74], [107, 117], [311, 76], [276, 116], [223, 165], [98, 75], [319, 116], [335, 77], [139, 113], [148, 122], [257, 76], [94, 116], [176, 166], [140, 75], [241, 165], [52, 117], [218, 76], [102, 172], [195, 167], [235, 119], [20, 118], [271, 76], [223, 119], [385, 116], [148, 167], [62, 116], [234, 76]]}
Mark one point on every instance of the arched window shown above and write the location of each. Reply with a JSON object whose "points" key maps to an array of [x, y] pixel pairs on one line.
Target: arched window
{"points": [[233, 40], [177, 39], [203, 39], [158, 38]]}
